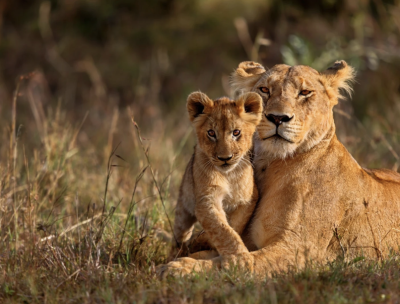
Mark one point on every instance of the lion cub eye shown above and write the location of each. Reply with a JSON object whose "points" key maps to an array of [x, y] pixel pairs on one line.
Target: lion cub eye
{"points": [[236, 133], [211, 133], [305, 92], [264, 90]]}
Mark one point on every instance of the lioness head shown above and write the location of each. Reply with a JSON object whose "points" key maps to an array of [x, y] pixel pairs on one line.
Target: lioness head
{"points": [[224, 127], [298, 103]]}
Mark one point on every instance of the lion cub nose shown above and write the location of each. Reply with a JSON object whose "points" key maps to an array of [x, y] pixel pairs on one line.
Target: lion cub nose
{"points": [[225, 158], [278, 119]]}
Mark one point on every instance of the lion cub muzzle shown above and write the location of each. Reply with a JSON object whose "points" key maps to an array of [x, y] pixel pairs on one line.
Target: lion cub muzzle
{"points": [[225, 160]]}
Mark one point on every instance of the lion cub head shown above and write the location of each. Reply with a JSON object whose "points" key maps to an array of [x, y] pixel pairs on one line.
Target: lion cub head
{"points": [[224, 127], [298, 103]]}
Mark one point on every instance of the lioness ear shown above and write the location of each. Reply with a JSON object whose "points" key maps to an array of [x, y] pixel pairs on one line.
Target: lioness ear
{"points": [[244, 78], [338, 78], [250, 107], [198, 103]]}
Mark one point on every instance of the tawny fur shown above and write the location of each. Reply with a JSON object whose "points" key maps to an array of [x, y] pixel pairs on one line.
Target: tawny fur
{"points": [[221, 195], [316, 203]]}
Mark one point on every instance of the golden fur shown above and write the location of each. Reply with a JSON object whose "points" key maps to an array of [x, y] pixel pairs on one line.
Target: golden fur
{"points": [[316, 201], [218, 187]]}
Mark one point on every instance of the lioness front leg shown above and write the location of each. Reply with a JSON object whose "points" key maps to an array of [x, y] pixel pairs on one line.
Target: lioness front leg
{"points": [[204, 255], [222, 236]]}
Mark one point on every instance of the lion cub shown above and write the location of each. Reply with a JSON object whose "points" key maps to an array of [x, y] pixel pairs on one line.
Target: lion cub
{"points": [[218, 188]]}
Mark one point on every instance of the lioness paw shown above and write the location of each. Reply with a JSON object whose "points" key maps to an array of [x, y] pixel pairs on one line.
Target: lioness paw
{"points": [[204, 255], [243, 261]]}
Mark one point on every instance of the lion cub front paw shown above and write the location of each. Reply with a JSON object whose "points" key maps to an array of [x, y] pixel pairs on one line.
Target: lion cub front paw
{"points": [[182, 267]]}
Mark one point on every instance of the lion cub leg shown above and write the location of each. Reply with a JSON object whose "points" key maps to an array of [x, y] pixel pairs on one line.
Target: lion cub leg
{"points": [[184, 223], [184, 212], [183, 228], [212, 217], [240, 217]]}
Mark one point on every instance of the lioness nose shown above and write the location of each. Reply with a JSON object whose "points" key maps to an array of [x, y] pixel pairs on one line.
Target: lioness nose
{"points": [[278, 119], [225, 158]]}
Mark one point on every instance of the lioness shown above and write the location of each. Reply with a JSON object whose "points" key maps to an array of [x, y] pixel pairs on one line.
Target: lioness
{"points": [[218, 187], [316, 201]]}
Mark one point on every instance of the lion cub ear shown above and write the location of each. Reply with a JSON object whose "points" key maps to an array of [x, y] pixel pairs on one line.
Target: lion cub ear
{"points": [[198, 103], [250, 107], [338, 78], [245, 77]]}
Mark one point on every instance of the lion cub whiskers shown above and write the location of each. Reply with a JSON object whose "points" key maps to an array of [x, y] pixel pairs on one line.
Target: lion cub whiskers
{"points": [[218, 188]]}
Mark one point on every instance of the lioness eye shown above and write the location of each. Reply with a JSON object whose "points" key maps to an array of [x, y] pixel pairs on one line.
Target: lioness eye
{"points": [[211, 133], [305, 92], [264, 90], [236, 132]]}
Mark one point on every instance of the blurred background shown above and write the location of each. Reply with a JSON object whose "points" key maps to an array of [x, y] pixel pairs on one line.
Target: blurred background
{"points": [[75, 73], [98, 57]]}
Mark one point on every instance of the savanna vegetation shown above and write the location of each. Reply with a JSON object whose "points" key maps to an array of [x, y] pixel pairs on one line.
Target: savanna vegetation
{"points": [[95, 138]]}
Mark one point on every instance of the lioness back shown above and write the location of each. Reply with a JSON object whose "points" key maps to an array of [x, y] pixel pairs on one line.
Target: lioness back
{"points": [[218, 188]]}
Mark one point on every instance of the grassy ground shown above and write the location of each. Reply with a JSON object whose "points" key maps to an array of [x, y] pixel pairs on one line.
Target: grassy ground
{"points": [[84, 218]]}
